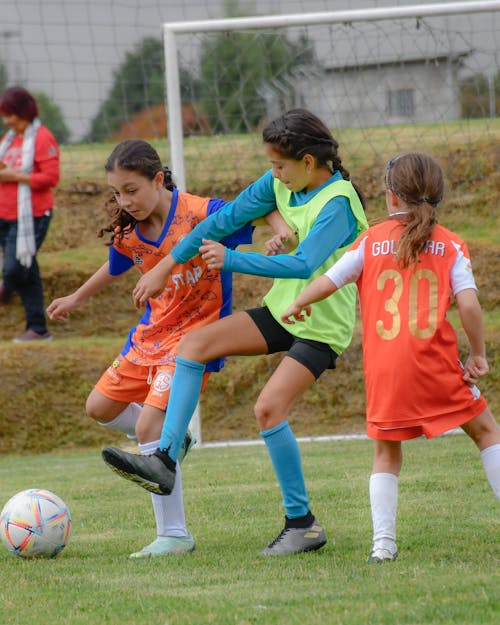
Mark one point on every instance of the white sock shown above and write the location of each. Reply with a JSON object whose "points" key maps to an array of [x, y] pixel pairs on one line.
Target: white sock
{"points": [[491, 463], [384, 505], [125, 421], [168, 509]]}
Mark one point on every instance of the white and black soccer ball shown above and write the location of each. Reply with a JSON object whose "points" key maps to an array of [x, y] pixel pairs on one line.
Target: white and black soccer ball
{"points": [[35, 523]]}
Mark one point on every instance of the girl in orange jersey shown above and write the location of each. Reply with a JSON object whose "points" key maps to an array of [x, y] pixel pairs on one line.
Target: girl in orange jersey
{"points": [[149, 217], [405, 269]]}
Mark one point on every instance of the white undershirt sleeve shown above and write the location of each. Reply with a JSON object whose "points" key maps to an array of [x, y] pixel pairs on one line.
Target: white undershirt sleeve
{"points": [[349, 267], [461, 276]]}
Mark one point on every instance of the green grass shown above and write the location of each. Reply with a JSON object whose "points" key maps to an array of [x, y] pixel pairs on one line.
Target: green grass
{"points": [[448, 526]]}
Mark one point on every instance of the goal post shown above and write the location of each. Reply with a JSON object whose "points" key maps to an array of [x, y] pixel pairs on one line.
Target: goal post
{"points": [[172, 29], [378, 67]]}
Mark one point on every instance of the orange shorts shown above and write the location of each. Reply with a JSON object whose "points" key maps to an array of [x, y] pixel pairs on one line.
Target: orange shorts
{"points": [[428, 428], [125, 382]]}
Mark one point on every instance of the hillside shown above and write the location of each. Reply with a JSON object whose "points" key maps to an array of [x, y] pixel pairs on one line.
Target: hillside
{"points": [[43, 387]]}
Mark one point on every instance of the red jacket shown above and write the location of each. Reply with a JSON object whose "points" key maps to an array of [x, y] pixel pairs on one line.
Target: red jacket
{"points": [[43, 179]]}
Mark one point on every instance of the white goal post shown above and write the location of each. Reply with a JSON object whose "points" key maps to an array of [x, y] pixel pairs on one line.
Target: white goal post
{"points": [[172, 29], [344, 18]]}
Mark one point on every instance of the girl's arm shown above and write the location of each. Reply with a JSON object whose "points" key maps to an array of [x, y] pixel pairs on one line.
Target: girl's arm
{"points": [[471, 317], [60, 308], [319, 289], [255, 201], [335, 227]]}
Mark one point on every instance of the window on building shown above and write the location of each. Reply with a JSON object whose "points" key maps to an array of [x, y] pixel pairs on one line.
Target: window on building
{"points": [[401, 102]]}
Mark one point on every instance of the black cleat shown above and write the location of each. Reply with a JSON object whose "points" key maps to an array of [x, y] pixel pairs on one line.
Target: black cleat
{"points": [[150, 472]]}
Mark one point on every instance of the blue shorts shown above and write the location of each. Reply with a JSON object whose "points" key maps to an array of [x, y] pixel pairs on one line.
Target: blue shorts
{"points": [[314, 355]]}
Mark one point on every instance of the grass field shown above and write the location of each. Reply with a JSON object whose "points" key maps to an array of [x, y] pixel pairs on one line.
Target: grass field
{"points": [[447, 572]]}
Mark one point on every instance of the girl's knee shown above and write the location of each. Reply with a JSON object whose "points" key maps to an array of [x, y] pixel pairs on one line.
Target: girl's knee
{"points": [[268, 413], [388, 457], [96, 409], [193, 345], [483, 430]]}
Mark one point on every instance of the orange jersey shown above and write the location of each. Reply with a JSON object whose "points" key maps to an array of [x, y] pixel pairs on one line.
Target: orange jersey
{"points": [[193, 295], [411, 364]]}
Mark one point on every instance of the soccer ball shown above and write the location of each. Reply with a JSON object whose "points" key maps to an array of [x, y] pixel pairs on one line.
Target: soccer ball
{"points": [[35, 523]]}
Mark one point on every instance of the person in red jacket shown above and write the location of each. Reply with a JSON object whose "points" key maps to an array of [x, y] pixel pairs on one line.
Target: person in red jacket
{"points": [[29, 170]]}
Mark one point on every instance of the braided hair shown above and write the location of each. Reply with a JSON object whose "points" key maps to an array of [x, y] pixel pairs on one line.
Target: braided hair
{"points": [[417, 179], [299, 132], [138, 156]]}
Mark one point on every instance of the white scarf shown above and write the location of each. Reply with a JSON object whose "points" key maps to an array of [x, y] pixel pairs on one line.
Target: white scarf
{"points": [[25, 242]]}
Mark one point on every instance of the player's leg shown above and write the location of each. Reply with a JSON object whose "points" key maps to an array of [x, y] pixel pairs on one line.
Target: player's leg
{"points": [[383, 489], [485, 432], [236, 334], [116, 415], [172, 535], [131, 381], [233, 335], [301, 531]]}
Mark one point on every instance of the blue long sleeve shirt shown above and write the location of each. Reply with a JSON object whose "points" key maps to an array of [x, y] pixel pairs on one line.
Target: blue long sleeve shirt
{"points": [[335, 227]]}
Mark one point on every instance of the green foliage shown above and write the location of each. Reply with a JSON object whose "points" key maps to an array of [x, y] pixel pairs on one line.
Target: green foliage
{"points": [[3, 78], [52, 117], [237, 66], [446, 573], [475, 95], [139, 83]]}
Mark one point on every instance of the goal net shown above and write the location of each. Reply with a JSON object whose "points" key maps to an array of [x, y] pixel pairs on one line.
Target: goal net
{"points": [[383, 79]]}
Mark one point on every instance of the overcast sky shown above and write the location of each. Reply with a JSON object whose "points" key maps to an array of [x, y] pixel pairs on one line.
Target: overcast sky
{"points": [[70, 48]]}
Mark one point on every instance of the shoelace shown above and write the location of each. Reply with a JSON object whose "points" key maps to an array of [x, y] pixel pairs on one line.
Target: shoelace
{"points": [[280, 536]]}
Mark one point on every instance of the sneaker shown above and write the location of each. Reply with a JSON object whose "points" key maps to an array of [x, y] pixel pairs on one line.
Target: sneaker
{"points": [[296, 540], [31, 335], [378, 556], [150, 472], [166, 546], [189, 443]]}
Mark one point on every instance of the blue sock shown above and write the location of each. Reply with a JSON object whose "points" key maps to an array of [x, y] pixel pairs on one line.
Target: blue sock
{"points": [[285, 455], [184, 395]]}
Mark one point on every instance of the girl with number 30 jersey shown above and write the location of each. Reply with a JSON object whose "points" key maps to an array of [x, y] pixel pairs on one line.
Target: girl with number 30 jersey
{"points": [[405, 269]]}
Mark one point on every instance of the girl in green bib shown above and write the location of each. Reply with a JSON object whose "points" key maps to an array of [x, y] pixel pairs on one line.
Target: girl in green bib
{"points": [[311, 189]]}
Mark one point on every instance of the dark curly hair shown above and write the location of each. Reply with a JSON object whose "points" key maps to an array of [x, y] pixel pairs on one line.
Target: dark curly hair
{"points": [[140, 157]]}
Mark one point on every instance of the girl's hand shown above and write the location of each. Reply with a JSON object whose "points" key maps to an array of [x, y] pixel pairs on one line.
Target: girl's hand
{"points": [[59, 309], [275, 245], [213, 254], [151, 284], [281, 243], [475, 367], [295, 311], [7, 174]]}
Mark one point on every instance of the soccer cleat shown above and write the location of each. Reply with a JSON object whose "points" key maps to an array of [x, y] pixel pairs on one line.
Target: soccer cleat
{"points": [[150, 472], [166, 546], [378, 556], [296, 540], [189, 443]]}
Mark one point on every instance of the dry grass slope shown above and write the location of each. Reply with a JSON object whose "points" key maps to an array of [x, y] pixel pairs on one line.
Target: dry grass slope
{"points": [[43, 387]]}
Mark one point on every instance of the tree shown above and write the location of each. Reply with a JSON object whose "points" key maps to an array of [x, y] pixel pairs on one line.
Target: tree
{"points": [[139, 83], [52, 117], [235, 66], [477, 94]]}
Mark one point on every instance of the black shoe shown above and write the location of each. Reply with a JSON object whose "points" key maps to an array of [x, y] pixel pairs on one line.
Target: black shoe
{"points": [[150, 472]]}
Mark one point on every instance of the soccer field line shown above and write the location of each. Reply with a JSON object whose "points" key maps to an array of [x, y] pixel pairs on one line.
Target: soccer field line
{"points": [[301, 439]]}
